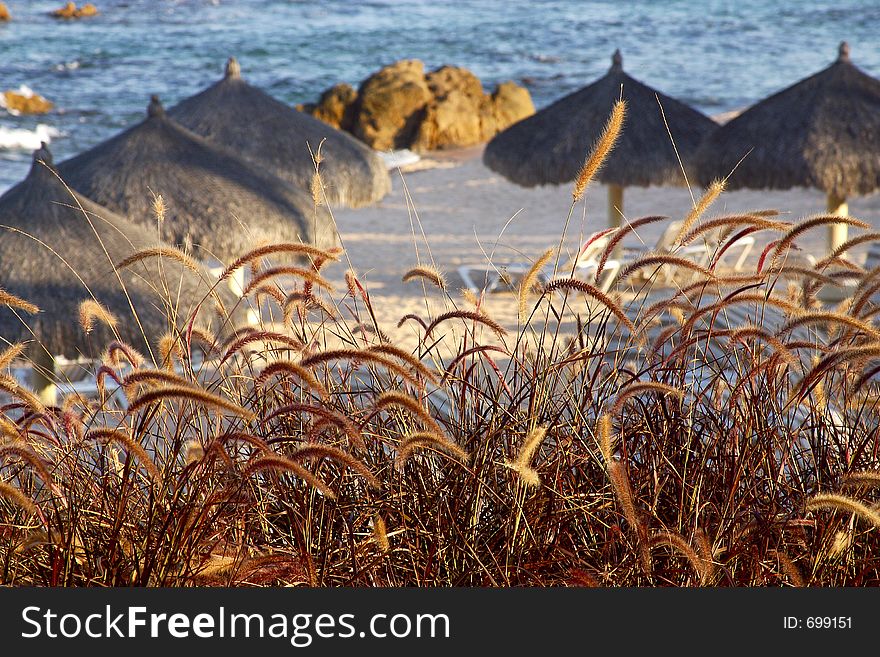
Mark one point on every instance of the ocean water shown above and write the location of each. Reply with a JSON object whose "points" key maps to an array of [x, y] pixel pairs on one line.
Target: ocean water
{"points": [[717, 55]]}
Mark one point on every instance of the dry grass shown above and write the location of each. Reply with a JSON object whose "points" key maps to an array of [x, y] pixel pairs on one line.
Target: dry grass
{"points": [[318, 451]]}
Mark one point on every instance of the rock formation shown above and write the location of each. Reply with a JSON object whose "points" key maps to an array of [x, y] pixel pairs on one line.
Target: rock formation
{"points": [[24, 101], [401, 106], [70, 11]]}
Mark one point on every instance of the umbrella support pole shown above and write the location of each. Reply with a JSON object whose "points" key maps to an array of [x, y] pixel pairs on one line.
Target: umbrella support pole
{"points": [[837, 233], [615, 211], [42, 377]]}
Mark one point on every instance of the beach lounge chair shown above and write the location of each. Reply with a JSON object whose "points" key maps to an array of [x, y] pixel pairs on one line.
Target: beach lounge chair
{"points": [[492, 278]]}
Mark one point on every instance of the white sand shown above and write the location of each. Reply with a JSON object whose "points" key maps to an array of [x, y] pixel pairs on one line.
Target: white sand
{"points": [[466, 212]]}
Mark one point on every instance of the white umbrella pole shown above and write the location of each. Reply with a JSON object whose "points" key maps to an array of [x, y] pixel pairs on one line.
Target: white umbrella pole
{"points": [[42, 378], [615, 210], [837, 232]]}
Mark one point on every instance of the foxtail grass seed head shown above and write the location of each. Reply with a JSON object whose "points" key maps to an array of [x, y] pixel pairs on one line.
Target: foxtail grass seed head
{"points": [[91, 311], [601, 149], [845, 504], [522, 463], [12, 301], [14, 495], [530, 280], [431, 274], [317, 189], [843, 541], [159, 209], [606, 440], [380, 534], [427, 440], [713, 191], [8, 355], [194, 452]]}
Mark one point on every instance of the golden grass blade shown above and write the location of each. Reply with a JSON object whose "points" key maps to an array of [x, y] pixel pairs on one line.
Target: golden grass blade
{"points": [[286, 367], [314, 450], [188, 393], [843, 503], [169, 252], [283, 464], [528, 282], [108, 436], [380, 534], [603, 146], [10, 354], [15, 496], [664, 259], [307, 275], [713, 191], [522, 463], [863, 478], [605, 439], [479, 318], [291, 248], [595, 293], [91, 311], [430, 274], [676, 541], [633, 389], [393, 399], [12, 301], [12, 387], [427, 440]]}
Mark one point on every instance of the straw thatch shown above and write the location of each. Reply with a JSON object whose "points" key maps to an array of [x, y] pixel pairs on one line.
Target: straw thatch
{"points": [[264, 130], [222, 203], [821, 132], [58, 249], [550, 146]]}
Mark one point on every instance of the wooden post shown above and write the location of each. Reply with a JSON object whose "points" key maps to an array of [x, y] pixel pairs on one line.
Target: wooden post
{"points": [[836, 236], [615, 212], [837, 232], [42, 379]]}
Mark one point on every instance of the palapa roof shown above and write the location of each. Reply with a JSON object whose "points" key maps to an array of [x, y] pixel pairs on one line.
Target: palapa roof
{"points": [[58, 248], [550, 146], [821, 132], [222, 203], [264, 130]]}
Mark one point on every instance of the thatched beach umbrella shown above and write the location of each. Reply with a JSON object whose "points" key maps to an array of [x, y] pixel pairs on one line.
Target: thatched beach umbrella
{"points": [[549, 147], [58, 249], [222, 203], [264, 130], [822, 132]]}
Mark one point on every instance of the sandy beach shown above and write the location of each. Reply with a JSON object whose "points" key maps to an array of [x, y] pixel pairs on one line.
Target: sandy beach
{"points": [[453, 211]]}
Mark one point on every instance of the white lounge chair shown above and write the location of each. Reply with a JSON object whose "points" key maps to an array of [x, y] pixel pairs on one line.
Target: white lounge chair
{"points": [[492, 278]]}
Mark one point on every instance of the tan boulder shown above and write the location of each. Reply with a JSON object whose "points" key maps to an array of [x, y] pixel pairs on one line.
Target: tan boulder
{"points": [[22, 103], [447, 79], [511, 103], [462, 115], [391, 104], [402, 107], [451, 121], [69, 10], [4, 13], [337, 106]]}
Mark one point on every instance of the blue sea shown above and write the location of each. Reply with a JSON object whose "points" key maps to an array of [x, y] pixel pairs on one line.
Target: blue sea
{"points": [[717, 55]]}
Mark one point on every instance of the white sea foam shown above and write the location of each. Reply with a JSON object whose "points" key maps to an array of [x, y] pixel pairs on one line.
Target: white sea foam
{"points": [[28, 140]]}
